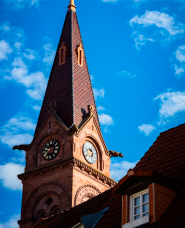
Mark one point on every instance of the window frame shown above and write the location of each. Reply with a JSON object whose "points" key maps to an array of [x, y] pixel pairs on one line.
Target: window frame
{"points": [[132, 197]]}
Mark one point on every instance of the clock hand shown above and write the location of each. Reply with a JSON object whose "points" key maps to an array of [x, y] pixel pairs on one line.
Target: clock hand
{"points": [[47, 149]]}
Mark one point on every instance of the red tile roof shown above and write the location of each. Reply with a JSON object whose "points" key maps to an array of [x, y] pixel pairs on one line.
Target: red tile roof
{"points": [[69, 84], [167, 155], [111, 219]]}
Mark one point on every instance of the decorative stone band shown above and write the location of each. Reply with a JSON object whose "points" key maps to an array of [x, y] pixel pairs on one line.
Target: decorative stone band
{"points": [[73, 162], [22, 221]]}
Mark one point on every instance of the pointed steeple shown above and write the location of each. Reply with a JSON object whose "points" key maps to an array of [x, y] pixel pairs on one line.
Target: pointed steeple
{"points": [[69, 83]]}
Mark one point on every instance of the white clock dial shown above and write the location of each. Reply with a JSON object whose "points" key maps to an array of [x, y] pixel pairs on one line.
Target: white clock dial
{"points": [[89, 152]]}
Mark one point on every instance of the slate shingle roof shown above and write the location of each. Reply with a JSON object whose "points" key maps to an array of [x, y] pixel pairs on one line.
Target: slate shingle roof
{"points": [[69, 84]]}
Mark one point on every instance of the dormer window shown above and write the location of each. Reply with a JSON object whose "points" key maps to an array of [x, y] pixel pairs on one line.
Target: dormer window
{"points": [[139, 205], [144, 200], [62, 54], [79, 51], [139, 209]]}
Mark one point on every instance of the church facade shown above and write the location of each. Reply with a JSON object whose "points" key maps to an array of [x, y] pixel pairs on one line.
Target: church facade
{"points": [[67, 162]]}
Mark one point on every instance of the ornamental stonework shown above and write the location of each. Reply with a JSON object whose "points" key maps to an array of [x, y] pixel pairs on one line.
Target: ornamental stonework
{"points": [[85, 193]]}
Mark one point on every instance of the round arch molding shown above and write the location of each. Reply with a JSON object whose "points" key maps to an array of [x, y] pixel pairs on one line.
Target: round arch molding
{"points": [[48, 188], [86, 192]]}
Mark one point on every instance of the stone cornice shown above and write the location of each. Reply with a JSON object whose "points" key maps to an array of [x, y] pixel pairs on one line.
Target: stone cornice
{"points": [[94, 173], [22, 221], [74, 162]]}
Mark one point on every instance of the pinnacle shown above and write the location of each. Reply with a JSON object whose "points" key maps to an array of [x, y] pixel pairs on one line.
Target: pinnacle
{"points": [[72, 5]]}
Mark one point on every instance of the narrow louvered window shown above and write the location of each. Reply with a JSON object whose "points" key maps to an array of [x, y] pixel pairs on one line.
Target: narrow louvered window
{"points": [[62, 54], [79, 51]]}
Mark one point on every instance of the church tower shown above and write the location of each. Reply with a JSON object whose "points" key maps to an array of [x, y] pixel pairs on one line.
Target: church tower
{"points": [[67, 162]]}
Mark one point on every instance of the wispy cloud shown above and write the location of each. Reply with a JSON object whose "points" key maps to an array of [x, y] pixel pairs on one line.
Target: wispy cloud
{"points": [[12, 222], [119, 169], [35, 82], [106, 119], [110, 1], [180, 59], [92, 78], [8, 175], [146, 128], [19, 4], [131, 1], [98, 93], [100, 108], [29, 54], [49, 54], [4, 50], [37, 107], [171, 103], [126, 73], [164, 25], [15, 132]]}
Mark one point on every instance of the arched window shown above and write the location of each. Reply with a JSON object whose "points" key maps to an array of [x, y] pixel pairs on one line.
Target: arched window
{"points": [[54, 210], [79, 51], [40, 214], [62, 54]]}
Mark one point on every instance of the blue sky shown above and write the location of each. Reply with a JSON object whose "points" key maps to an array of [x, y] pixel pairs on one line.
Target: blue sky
{"points": [[135, 52]]}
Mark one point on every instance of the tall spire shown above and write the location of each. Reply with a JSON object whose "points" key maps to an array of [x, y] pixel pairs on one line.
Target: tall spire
{"points": [[72, 5], [69, 83]]}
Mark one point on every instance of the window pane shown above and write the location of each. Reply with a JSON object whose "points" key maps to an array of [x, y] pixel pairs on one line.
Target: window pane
{"points": [[146, 214], [137, 217], [137, 210], [137, 201], [145, 207], [145, 198]]}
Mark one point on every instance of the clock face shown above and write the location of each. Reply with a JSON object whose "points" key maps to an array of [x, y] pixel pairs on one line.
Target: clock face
{"points": [[89, 152], [51, 149]]}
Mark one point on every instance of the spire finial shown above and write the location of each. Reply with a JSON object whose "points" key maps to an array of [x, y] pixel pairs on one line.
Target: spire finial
{"points": [[72, 5]]}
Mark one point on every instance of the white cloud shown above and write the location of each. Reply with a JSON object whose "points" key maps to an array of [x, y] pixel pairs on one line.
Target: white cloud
{"points": [[18, 45], [180, 53], [49, 54], [91, 77], [179, 70], [36, 82], [158, 24], [13, 134], [161, 20], [19, 65], [98, 93], [180, 57], [19, 4], [4, 50], [37, 107], [29, 54], [12, 223], [8, 175], [100, 108], [105, 119], [16, 139], [119, 169], [5, 27], [171, 104], [126, 73], [110, 1], [146, 128], [140, 40], [21, 123]]}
